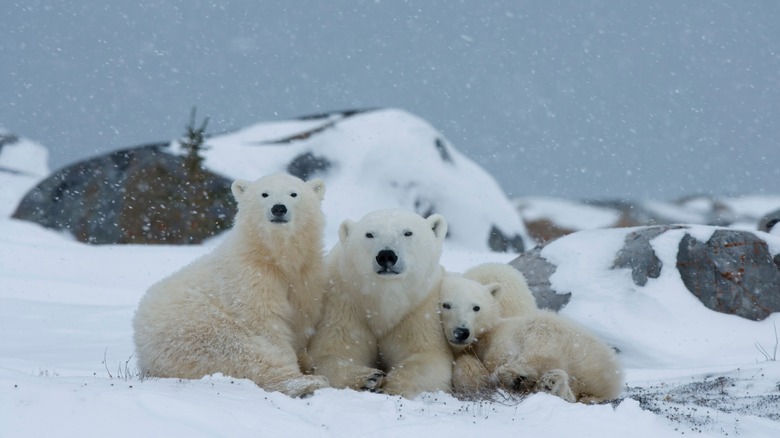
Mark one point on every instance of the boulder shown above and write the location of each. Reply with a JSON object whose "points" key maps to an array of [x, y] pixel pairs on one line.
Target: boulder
{"points": [[733, 272], [140, 195]]}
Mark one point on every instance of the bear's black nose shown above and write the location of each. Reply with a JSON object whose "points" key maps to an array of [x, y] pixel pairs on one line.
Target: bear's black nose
{"points": [[461, 334], [386, 258], [279, 210]]}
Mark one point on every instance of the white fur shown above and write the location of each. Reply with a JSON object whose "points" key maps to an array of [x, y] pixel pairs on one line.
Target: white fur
{"points": [[385, 320], [534, 350], [248, 308]]}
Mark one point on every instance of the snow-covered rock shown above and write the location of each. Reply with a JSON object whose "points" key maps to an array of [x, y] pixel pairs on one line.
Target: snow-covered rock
{"points": [[369, 160], [23, 163]]}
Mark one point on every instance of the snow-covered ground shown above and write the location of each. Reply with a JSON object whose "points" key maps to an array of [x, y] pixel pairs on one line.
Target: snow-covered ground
{"points": [[67, 368]]}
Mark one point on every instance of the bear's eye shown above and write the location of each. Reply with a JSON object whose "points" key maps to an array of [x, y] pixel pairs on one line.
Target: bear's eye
{"points": [[370, 235], [264, 195], [476, 308], [293, 194], [446, 306], [407, 233]]}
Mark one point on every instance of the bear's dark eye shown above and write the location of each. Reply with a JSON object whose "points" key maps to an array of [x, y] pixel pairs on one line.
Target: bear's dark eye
{"points": [[407, 233], [476, 308], [370, 235], [446, 305], [293, 194], [264, 195]]}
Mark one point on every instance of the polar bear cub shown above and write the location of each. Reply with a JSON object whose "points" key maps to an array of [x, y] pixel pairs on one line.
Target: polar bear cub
{"points": [[538, 351], [248, 308], [381, 329]]}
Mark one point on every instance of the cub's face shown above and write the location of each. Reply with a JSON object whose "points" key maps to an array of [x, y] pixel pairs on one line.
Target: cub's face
{"points": [[279, 200], [391, 244], [468, 309]]}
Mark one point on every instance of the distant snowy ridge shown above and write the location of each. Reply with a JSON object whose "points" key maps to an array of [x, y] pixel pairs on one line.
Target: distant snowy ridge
{"points": [[23, 163]]}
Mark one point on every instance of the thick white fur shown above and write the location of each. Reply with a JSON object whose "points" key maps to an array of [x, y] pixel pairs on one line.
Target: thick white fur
{"points": [[247, 309], [381, 330], [535, 351], [515, 298]]}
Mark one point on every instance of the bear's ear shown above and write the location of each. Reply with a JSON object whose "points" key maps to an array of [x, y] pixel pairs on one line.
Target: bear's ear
{"points": [[344, 229], [495, 289], [239, 187], [439, 226], [318, 186]]}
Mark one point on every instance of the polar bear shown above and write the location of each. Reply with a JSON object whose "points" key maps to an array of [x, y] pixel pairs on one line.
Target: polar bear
{"points": [[515, 298], [381, 329], [535, 351], [248, 308]]}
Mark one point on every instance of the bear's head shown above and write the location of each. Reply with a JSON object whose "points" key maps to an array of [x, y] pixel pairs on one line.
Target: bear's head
{"points": [[279, 202], [468, 309], [393, 244]]}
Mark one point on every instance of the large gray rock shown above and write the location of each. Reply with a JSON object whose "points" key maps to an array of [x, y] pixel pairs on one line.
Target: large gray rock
{"points": [[733, 272], [141, 195]]}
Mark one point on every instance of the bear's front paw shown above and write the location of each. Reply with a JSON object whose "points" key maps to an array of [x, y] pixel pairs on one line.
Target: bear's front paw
{"points": [[556, 382], [305, 386], [374, 381], [517, 378]]}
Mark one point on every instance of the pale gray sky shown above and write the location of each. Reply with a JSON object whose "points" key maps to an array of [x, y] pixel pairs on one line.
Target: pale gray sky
{"points": [[579, 98]]}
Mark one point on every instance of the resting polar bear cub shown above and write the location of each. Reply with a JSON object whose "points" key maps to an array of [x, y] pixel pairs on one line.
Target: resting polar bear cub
{"points": [[247, 309], [381, 329], [536, 351]]}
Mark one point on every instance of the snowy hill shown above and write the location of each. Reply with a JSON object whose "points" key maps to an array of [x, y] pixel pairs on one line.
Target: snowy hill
{"points": [[370, 159]]}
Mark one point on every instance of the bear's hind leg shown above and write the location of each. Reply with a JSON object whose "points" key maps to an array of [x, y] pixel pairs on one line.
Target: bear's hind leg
{"points": [[556, 382]]}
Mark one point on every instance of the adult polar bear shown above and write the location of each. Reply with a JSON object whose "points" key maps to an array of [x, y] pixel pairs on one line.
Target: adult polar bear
{"points": [[248, 308], [381, 328]]}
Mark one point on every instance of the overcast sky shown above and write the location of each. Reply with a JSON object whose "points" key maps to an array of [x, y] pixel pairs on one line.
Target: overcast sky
{"points": [[580, 98]]}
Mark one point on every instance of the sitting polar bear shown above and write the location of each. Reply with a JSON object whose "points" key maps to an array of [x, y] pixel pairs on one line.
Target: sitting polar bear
{"points": [[535, 351], [381, 329], [247, 309]]}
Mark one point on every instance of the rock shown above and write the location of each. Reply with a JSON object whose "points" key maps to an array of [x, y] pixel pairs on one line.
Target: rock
{"points": [[638, 256], [141, 195], [733, 273], [307, 165], [768, 223], [499, 242], [537, 272]]}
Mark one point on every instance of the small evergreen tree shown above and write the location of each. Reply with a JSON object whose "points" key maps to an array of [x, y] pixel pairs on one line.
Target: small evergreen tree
{"points": [[193, 144]]}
